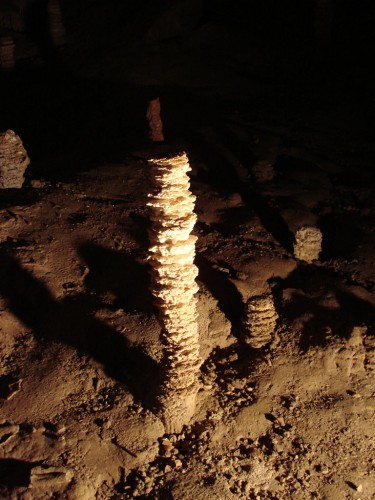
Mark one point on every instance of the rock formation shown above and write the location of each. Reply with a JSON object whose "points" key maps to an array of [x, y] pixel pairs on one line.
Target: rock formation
{"points": [[13, 160], [155, 123], [263, 171], [7, 58], [173, 286], [308, 243], [260, 321], [57, 29]]}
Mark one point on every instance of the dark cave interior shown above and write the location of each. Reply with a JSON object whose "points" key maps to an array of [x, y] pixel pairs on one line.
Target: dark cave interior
{"points": [[99, 81]]}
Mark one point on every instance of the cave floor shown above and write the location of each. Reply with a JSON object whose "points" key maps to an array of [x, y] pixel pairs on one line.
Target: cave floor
{"points": [[80, 337]]}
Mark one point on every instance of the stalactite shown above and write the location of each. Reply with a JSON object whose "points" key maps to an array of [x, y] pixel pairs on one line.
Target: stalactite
{"points": [[173, 286]]}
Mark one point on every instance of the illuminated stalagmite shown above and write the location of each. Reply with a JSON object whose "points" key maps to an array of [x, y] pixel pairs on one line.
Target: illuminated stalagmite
{"points": [[173, 286], [13, 160], [260, 322], [308, 243]]}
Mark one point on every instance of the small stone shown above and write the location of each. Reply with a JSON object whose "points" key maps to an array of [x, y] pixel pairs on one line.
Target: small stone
{"points": [[37, 183]]}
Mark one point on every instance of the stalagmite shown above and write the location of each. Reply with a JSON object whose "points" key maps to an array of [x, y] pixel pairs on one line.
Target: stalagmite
{"points": [[260, 321], [263, 171], [57, 29], [7, 57], [173, 286], [308, 243], [13, 160], [155, 123]]}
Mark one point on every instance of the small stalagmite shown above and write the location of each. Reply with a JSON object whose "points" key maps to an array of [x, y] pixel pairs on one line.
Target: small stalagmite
{"points": [[155, 123], [308, 243], [7, 57], [57, 29], [260, 320], [173, 285], [263, 171], [13, 160]]}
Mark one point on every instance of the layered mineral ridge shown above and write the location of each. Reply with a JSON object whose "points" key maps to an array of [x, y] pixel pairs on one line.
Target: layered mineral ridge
{"points": [[260, 323], [172, 251]]}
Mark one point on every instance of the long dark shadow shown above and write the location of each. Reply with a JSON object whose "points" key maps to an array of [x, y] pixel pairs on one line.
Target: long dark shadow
{"points": [[227, 295], [312, 286], [71, 322]]}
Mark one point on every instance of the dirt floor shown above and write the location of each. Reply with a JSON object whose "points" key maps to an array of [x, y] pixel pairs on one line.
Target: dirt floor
{"points": [[276, 141]]}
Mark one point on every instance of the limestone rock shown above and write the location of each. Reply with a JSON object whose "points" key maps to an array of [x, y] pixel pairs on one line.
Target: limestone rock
{"points": [[13, 160], [173, 286], [308, 243], [260, 321]]}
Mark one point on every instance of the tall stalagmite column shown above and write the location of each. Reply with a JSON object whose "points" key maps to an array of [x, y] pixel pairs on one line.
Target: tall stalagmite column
{"points": [[173, 286]]}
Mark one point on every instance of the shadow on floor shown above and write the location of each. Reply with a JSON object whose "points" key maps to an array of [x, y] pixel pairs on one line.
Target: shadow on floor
{"points": [[227, 295], [119, 273], [224, 177], [71, 322], [15, 473], [342, 233], [330, 308]]}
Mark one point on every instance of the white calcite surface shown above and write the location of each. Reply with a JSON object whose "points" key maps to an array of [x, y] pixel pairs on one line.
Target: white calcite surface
{"points": [[260, 321], [13, 160], [308, 243], [173, 286]]}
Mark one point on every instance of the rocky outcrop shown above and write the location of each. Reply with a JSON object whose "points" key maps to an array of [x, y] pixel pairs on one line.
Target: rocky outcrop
{"points": [[174, 288]]}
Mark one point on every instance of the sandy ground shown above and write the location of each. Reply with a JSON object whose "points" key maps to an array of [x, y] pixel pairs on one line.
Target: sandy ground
{"points": [[80, 336]]}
